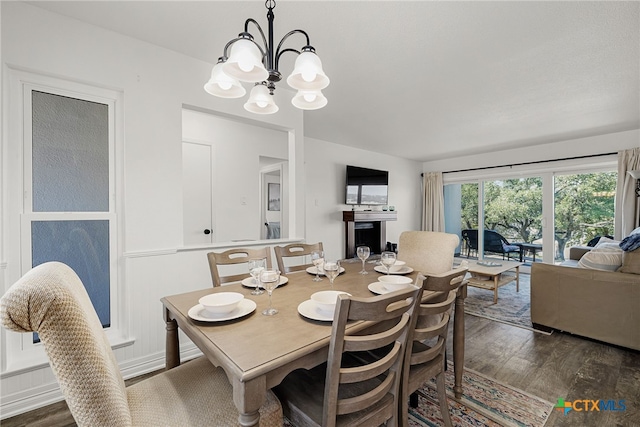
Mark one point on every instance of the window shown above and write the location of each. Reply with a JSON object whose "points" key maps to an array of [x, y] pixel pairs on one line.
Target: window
{"points": [[68, 214]]}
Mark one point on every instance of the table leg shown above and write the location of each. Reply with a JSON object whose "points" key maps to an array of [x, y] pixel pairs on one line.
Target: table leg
{"points": [[458, 341], [249, 397], [518, 277], [172, 344], [496, 279]]}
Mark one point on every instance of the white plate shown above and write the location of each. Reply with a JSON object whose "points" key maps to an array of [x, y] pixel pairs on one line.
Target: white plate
{"points": [[312, 270], [246, 306], [403, 270], [309, 309], [248, 282], [378, 288]]}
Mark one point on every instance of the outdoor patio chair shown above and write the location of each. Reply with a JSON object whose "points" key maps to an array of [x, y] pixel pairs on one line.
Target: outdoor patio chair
{"points": [[494, 242]]}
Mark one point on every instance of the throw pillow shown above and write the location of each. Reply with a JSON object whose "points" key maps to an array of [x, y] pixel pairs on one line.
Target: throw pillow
{"points": [[605, 242], [606, 259], [631, 262]]}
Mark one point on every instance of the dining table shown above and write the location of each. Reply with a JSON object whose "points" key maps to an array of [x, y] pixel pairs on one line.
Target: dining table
{"points": [[257, 351]]}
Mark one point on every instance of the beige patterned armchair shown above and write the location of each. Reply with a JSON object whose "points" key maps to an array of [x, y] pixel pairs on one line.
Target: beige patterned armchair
{"points": [[51, 300]]}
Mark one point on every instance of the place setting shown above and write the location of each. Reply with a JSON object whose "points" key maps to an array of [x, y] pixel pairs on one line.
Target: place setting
{"points": [[256, 266], [390, 283], [318, 269], [320, 306], [221, 306], [391, 265]]}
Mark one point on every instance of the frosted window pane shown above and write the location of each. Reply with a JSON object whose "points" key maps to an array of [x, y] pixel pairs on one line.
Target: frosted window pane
{"points": [[70, 154], [83, 246]]}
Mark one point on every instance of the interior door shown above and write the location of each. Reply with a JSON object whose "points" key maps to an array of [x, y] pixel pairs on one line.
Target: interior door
{"points": [[197, 187]]}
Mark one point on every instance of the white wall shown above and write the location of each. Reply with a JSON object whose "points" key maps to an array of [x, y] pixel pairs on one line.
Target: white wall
{"points": [[237, 148], [325, 165]]}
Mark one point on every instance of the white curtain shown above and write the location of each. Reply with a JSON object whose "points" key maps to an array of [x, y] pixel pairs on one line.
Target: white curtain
{"points": [[627, 204], [433, 209]]}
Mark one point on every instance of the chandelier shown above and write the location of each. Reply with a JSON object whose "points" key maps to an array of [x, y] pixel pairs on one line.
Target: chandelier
{"points": [[245, 60]]}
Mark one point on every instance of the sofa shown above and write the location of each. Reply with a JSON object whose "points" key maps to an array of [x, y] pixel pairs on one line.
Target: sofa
{"points": [[601, 304]]}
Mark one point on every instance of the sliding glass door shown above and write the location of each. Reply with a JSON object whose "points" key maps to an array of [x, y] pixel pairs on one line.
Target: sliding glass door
{"points": [[530, 217], [584, 209], [511, 215]]}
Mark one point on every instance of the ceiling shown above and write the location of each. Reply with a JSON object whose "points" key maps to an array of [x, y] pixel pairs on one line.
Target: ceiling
{"points": [[427, 80]]}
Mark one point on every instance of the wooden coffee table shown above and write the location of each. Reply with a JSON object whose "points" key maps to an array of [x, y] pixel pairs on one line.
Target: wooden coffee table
{"points": [[492, 276]]}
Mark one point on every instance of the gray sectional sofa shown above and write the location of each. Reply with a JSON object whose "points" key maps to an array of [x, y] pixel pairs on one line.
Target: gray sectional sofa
{"points": [[598, 304]]}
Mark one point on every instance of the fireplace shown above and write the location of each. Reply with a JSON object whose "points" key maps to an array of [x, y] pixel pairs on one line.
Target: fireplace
{"points": [[366, 228]]}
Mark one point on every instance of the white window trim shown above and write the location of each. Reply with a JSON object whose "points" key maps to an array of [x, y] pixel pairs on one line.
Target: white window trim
{"points": [[19, 352]]}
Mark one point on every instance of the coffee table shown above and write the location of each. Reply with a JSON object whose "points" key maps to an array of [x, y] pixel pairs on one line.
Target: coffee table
{"points": [[492, 277]]}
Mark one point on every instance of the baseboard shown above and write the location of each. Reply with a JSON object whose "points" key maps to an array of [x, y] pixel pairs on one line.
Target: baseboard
{"points": [[44, 395]]}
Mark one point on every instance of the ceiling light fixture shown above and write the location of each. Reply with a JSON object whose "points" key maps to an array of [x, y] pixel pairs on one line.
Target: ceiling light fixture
{"points": [[244, 60]]}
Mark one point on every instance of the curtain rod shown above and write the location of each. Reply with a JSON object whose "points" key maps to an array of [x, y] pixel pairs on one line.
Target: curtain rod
{"points": [[528, 163]]}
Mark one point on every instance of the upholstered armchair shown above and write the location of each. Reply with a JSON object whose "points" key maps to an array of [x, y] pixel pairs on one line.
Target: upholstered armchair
{"points": [[52, 301], [429, 252]]}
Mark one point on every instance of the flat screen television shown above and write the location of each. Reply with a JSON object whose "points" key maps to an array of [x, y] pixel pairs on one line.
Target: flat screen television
{"points": [[367, 186]]}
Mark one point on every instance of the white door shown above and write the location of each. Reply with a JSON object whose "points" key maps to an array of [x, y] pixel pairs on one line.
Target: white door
{"points": [[197, 187]]}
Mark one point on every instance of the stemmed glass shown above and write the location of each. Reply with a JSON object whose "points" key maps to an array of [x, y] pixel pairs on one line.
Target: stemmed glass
{"points": [[270, 280], [363, 253], [331, 270], [256, 266], [388, 259], [317, 258]]}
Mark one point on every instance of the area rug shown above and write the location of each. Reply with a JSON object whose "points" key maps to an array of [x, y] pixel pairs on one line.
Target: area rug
{"points": [[513, 308], [484, 402]]}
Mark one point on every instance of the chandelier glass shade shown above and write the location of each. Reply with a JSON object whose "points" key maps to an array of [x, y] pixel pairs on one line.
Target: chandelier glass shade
{"points": [[244, 60]]}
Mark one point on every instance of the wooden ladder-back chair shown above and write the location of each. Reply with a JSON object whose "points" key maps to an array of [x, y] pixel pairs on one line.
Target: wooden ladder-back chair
{"points": [[292, 251], [425, 355], [349, 391], [52, 301], [233, 257]]}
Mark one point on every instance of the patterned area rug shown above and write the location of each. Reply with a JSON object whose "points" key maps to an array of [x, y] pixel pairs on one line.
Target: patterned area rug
{"points": [[513, 308], [484, 402]]}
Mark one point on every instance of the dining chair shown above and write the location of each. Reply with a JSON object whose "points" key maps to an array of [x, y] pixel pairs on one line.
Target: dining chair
{"points": [[346, 390], [425, 355], [234, 257], [294, 250], [52, 301], [428, 252]]}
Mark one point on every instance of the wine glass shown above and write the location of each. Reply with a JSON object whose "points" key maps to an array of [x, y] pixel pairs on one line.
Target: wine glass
{"points": [[388, 259], [363, 253], [317, 258], [270, 280], [331, 270], [256, 266]]}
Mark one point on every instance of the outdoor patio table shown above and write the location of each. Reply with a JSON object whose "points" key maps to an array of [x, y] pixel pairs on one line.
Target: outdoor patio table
{"points": [[258, 351]]}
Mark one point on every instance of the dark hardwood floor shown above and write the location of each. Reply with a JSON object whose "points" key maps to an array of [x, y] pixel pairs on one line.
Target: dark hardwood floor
{"points": [[551, 367]]}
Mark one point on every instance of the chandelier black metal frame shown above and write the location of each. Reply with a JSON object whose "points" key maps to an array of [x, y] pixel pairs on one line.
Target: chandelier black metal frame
{"points": [[245, 60]]}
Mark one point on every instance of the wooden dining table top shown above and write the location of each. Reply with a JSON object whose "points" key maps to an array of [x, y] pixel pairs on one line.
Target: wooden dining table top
{"points": [[256, 344], [258, 351]]}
